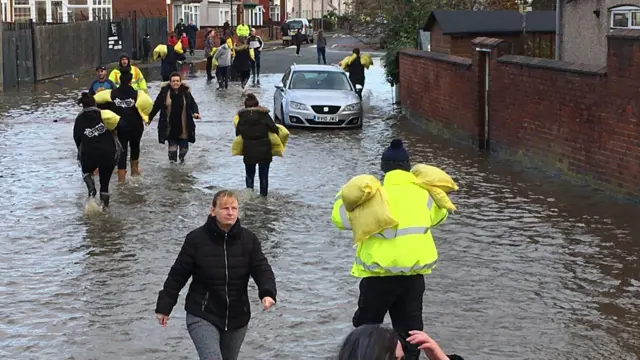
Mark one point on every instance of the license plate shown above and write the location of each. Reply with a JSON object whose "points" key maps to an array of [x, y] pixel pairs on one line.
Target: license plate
{"points": [[286, 38], [326, 118]]}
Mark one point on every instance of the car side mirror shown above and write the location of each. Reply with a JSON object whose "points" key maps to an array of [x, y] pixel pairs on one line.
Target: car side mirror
{"points": [[279, 86], [358, 87]]}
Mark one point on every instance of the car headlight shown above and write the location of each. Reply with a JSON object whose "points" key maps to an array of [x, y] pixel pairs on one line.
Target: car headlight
{"points": [[297, 106], [352, 107]]}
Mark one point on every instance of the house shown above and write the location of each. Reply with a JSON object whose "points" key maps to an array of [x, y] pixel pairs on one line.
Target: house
{"points": [[584, 25], [451, 32], [212, 13], [56, 11]]}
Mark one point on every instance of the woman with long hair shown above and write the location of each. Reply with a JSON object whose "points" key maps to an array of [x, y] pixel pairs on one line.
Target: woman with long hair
{"points": [[178, 109]]}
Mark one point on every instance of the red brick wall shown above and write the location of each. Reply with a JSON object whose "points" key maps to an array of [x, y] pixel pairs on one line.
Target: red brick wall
{"points": [[143, 8], [566, 116]]}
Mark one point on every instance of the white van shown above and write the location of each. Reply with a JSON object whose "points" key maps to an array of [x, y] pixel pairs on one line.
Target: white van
{"points": [[294, 25]]}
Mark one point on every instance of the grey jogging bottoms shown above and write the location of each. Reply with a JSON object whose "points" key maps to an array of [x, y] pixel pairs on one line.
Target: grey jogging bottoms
{"points": [[212, 343]]}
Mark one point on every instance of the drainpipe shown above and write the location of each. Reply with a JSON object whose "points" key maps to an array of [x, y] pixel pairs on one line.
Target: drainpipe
{"points": [[558, 47]]}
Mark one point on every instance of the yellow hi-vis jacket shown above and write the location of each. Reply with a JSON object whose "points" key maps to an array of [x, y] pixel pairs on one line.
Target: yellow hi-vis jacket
{"points": [[407, 249], [137, 82], [243, 30]]}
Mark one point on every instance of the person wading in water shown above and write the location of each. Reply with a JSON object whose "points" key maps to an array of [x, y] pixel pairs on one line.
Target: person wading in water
{"points": [[123, 101], [177, 109], [97, 147], [221, 255]]}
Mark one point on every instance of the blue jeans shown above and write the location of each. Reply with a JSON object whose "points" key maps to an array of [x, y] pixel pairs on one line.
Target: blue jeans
{"points": [[174, 145], [263, 175], [322, 52]]}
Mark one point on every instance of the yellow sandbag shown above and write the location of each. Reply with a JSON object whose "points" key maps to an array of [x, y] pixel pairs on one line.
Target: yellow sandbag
{"points": [[144, 104], [365, 60], [102, 97], [365, 200], [278, 141], [159, 52], [178, 48], [109, 119], [437, 182]]}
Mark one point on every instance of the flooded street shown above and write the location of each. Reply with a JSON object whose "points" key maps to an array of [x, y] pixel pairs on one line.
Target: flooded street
{"points": [[529, 268]]}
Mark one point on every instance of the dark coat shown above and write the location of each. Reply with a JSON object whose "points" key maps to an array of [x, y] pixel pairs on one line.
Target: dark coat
{"points": [[191, 31], [169, 64], [91, 136], [242, 61], [356, 71], [171, 130], [254, 127], [220, 264]]}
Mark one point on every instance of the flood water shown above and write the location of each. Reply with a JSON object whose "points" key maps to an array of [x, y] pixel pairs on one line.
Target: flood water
{"points": [[530, 268]]}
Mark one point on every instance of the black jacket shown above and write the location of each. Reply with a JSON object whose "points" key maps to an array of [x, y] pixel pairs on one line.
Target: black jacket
{"points": [[169, 64], [242, 61], [254, 127], [170, 129], [91, 136], [220, 264], [356, 71], [123, 103]]}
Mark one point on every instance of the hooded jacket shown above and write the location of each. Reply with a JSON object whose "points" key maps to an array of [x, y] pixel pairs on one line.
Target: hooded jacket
{"points": [[254, 125], [92, 135], [220, 264], [243, 59], [123, 103], [138, 82], [169, 64], [223, 56]]}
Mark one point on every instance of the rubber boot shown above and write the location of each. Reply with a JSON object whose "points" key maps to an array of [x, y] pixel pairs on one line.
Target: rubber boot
{"points": [[135, 170], [122, 174], [173, 155], [253, 80], [91, 185], [104, 198], [182, 153]]}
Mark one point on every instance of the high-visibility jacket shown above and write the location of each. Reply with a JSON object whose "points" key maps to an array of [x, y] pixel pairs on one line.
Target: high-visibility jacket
{"points": [[242, 30], [137, 82], [407, 249]]}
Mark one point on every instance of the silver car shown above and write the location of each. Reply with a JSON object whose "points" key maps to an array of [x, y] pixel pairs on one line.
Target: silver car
{"points": [[317, 96]]}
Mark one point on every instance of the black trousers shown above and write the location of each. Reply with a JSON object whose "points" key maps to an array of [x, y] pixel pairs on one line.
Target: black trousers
{"points": [[263, 175], [297, 49], [104, 162], [130, 137], [222, 73], [209, 67], [401, 296], [255, 65]]}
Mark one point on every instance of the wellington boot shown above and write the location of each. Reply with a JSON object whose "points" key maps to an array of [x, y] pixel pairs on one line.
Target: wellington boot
{"points": [[104, 197], [135, 170], [122, 174]]}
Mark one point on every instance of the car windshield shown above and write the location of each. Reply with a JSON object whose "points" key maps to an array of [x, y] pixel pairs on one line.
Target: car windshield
{"points": [[320, 80], [295, 24]]}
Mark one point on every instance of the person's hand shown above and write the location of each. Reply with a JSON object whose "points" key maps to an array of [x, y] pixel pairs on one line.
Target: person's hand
{"points": [[268, 302], [196, 116], [162, 319], [426, 344]]}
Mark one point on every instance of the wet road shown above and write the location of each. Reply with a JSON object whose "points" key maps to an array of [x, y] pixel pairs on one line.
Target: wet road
{"points": [[530, 268]]}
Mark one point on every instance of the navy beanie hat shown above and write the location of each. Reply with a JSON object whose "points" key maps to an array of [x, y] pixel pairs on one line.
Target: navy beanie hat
{"points": [[395, 157]]}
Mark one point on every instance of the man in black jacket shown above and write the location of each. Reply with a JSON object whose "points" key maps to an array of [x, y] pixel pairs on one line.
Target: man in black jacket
{"points": [[220, 256], [356, 71]]}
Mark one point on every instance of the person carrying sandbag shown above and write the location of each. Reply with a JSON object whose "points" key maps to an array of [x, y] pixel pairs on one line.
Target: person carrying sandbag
{"points": [[392, 263], [355, 65], [254, 125]]}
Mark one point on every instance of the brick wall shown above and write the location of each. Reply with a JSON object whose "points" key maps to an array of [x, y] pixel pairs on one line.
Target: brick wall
{"points": [[583, 120], [143, 8]]}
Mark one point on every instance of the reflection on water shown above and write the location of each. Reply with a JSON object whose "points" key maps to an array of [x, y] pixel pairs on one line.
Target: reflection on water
{"points": [[530, 268]]}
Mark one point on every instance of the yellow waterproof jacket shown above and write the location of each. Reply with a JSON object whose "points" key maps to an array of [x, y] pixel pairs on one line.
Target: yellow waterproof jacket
{"points": [[404, 249], [144, 104], [278, 142], [365, 60], [243, 30], [437, 182], [161, 50], [137, 82]]}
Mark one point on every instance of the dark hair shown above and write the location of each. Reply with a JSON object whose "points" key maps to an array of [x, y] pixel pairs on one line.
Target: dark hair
{"points": [[125, 78], [174, 74], [221, 195], [356, 51], [251, 101], [86, 100], [369, 342]]}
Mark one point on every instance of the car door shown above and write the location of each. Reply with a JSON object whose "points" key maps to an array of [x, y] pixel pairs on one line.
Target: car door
{"points": [[279, 94]]}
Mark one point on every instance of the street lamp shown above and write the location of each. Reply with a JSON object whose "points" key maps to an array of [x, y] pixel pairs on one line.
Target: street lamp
{"points": [[523, 7]]}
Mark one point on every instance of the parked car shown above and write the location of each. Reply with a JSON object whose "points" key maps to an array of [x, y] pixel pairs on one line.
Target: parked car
{"points": [[294, 25], [317, 96]]}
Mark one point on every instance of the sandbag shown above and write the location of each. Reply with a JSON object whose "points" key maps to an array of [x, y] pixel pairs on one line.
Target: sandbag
{"points": [[159, 52], [278, 141], [365, 200], [102, 97], [365, 60], [437, 182], [178, 48], [109, 119], [144, 104]]}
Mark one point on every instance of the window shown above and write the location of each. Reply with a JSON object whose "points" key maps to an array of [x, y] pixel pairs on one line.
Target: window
{"points": [[625, 17], [320, 80], [274, 13], [190, 13]]}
